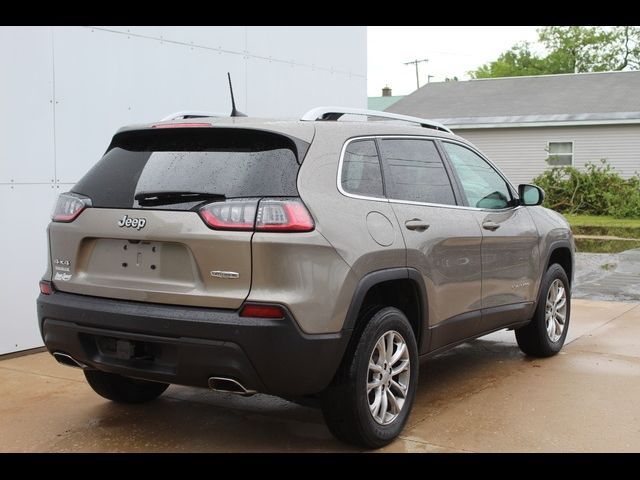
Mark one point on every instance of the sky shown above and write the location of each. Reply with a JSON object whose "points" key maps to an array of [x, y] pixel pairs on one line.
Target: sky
{"points": [[451, 51]]}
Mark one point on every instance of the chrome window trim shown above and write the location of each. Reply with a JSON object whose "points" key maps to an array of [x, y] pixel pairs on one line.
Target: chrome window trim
{"points": [[458, 207], [409, 202], [339, 178]]}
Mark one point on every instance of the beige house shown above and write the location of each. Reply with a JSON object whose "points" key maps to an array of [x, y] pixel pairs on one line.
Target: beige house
{"points": [[524, 124]]}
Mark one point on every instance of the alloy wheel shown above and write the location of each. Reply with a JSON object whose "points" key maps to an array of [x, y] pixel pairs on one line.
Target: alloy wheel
{"points": [[388, 377]]}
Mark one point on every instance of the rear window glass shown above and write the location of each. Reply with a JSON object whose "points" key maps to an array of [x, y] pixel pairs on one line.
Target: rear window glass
{"points": [[230, 162]]}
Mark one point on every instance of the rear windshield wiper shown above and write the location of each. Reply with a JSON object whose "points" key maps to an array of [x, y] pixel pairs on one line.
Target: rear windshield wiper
{"points": [[167, 198]]}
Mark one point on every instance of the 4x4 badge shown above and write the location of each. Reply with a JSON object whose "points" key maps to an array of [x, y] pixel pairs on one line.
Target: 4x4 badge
{"points": [[129, 222]]}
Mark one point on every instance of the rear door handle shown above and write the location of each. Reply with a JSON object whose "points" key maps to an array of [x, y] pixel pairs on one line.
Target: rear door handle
{"points": [[416, 224], [489, 225]]}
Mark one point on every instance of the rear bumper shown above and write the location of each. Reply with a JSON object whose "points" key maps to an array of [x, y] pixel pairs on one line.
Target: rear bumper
{"points": [[187, 345]]}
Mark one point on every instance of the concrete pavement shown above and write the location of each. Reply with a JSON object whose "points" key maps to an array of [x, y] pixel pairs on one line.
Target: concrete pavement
{"points": [[482, 396], [608, 276]]}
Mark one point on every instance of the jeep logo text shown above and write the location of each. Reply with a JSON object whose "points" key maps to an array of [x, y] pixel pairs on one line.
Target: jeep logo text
{"points": [[129, 222]]}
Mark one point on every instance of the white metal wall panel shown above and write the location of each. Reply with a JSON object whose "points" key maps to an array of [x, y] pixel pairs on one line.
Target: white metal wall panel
{"points": [[311, 87], [227, 38], [25, 213], [26, 106], [311, 46], [55, 126], [133, 80]]}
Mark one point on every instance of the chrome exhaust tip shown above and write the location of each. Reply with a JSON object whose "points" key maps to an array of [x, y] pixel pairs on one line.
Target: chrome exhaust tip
{"points": [[229, 385], [68, 360]]}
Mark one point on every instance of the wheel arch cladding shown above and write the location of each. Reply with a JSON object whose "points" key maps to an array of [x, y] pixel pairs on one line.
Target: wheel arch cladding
{"points": [[560, 253], [402, 288]]}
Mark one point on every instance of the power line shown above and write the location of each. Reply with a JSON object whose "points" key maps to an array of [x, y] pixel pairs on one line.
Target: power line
{"points": [[416, 62]]}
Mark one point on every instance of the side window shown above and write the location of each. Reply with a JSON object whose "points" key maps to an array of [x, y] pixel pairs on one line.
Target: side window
{"points": [[361, 173], [482, 185], [414, 171], [560, 154]]}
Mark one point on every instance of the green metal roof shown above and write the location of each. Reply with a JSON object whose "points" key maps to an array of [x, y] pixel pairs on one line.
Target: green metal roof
{"points": [[382, 103]]}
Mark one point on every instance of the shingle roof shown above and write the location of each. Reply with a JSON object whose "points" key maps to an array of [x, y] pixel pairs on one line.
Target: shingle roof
{"points": [[520, 101], [382, 103]]}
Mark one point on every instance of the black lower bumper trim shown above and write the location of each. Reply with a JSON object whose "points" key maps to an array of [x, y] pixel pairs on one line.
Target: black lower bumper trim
{"points": [[187, 345]]}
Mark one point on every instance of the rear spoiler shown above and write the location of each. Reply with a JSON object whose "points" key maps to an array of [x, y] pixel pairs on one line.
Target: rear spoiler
{"points": [[145, 137]]}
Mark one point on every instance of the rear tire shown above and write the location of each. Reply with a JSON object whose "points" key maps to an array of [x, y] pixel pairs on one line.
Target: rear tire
{"points": [[544, 336], [366, 376], [123, 389]]}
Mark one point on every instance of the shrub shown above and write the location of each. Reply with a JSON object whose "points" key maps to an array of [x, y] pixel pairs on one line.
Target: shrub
{"points": [[597, 190]]}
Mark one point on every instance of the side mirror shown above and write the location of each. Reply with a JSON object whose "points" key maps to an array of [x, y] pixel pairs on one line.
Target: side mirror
{"points": [[530, 195]]}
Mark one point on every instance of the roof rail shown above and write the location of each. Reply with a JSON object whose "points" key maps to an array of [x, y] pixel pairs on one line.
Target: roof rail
{"points": [[334, 113], [192, 114]]}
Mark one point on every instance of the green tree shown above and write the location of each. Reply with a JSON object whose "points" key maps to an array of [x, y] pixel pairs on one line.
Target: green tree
{"points": [[626, 48], [517, 61], [577, 49], [569, 49]]}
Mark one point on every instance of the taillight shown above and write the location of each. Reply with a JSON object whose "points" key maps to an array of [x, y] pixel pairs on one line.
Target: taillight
{"points": [[45, 287], [267, 215], [231, 214], [257, 310], [69, 206], [283, 215]]}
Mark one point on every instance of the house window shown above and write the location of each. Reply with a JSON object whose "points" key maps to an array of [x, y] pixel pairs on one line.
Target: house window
{"points": [[560, 154]]}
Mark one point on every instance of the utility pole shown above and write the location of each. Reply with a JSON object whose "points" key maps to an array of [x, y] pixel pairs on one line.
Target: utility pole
{"points": [[416, 62]]}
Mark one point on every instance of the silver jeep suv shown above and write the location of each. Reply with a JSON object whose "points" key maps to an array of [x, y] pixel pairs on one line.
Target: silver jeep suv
{"points": [[321, 258]]}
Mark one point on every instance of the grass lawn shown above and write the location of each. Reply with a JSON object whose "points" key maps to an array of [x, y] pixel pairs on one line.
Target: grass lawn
{"points": [[596, 221], [596, 225], [609, 226], [589, 245]]}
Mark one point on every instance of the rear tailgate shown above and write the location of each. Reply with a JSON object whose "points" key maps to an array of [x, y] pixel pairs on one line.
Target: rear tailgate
{"points": [[133, 247], [170, 260]]}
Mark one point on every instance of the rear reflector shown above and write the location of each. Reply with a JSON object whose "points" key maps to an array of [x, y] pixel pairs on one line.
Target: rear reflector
{"points": [[267, 215], [181, 125], [46, 288], [69, 206], [262, 311]]}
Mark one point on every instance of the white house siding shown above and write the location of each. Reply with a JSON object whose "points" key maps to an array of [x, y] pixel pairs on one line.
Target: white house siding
{"points": [[521, 152], [64, 91]]}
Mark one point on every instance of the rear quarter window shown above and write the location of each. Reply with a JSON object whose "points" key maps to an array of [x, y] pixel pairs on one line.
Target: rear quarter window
{"points": [[361, 174]]}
